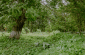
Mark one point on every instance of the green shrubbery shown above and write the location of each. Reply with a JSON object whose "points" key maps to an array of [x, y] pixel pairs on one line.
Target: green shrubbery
{"points": [[38, 30], [25, 30], [60, 43]]}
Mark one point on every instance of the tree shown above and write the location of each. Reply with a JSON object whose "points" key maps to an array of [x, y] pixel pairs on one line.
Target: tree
{"points": [[18, 12], [76, 9]]}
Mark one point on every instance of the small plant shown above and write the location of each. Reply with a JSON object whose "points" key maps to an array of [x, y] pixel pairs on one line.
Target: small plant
{"points": [[38, 30], [3, 34]]}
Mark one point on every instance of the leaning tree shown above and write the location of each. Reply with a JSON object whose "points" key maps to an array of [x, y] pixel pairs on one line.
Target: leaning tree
{"points": [[18, 11]]}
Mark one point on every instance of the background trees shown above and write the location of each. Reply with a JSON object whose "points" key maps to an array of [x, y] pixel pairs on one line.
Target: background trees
{"points": [[77, 10], [48, 15]]}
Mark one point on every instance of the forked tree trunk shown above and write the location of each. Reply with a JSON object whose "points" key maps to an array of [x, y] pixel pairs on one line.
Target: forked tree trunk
{"points": [[18, 27]]}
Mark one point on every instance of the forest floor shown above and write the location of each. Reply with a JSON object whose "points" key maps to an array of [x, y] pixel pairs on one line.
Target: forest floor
{"points": [[54, 43]]}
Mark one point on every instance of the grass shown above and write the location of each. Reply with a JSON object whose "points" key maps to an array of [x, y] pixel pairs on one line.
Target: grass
{"points": [[57, 44], [69, 44]]}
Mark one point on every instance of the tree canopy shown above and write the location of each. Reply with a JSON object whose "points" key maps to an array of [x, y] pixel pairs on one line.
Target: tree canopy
{"points": [[47, 15]]}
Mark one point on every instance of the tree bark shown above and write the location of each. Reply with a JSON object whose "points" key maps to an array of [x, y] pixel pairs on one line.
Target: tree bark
{"points": [[18, 27]]}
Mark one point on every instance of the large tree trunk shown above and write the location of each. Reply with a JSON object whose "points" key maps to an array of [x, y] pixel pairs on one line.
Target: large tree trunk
{"points": [[18, 27], [15, 34]]}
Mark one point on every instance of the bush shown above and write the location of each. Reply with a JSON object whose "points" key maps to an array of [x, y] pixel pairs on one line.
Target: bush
{"points": [[25, 30], [38, 30]]}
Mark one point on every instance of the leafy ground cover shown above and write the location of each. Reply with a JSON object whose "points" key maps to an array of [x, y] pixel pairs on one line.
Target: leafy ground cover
{"points": [[57, 44]]}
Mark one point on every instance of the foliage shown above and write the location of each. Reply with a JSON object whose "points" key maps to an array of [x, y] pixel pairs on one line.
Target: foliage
{"points": [[65, 44], [31, 14], [65, 17], [69, 43], [25, 30], [76, 10]]}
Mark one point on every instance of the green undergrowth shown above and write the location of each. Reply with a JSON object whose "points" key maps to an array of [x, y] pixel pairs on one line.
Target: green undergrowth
{"points": [[57, 44]]}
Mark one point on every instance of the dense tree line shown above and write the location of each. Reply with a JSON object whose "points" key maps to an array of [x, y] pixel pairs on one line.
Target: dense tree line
{"points": [[63, 15]]}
